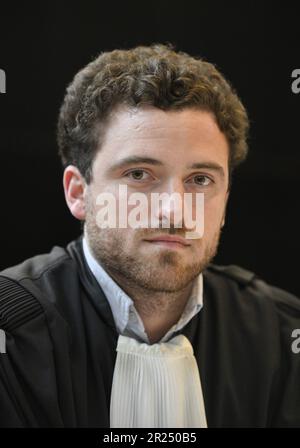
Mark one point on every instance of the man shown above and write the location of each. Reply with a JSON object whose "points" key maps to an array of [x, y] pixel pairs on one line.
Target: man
{"points": [[134, 326]]}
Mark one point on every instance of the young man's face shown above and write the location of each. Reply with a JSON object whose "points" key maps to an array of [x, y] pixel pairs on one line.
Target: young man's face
{"points": [[176, 140]]}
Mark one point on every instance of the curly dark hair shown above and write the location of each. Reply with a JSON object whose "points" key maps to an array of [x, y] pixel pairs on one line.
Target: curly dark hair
{"points": [[154, 75]]}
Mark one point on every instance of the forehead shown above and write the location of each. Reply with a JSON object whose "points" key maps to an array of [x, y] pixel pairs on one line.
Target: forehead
{"points": [[173, 137]]}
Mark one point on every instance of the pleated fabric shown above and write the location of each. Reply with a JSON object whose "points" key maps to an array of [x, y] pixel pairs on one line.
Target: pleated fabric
{"points": [[156, 386]]}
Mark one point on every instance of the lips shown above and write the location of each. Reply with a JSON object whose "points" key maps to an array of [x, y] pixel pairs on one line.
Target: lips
{"points": [[176, 240]]}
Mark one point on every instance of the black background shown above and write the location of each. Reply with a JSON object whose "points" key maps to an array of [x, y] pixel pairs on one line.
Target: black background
{"points": [[256, 45]]}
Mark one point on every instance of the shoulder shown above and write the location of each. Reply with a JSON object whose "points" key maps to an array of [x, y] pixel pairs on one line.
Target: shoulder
{"points": [[244, 279], [244, 288], [35, 267], [32, 287]]}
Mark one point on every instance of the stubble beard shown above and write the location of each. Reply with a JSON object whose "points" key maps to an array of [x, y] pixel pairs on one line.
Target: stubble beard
{"points": [[162, 273]]}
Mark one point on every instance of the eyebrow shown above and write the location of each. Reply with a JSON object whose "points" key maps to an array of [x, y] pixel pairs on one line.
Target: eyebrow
{"points": [[134, 160], [208, 165], [151, 161]]}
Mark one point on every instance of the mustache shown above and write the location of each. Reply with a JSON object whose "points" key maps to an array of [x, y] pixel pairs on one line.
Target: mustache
{"points": [[171, 230]]}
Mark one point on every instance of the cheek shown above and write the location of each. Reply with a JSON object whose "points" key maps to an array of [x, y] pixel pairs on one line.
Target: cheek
{"points": [[213, 214]]}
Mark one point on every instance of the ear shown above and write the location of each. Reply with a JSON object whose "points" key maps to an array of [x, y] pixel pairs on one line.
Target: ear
{"points": [[223, 221], [74, 189]]}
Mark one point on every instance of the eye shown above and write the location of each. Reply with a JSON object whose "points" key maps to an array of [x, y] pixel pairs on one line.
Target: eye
{"points": [[137, 175], [202, 180]]}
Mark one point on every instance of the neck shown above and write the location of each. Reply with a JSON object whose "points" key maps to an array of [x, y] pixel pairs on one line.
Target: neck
{"points": [[159, 310]]}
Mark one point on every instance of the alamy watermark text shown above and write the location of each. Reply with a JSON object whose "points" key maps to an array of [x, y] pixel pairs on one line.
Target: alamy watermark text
{"points": [[2, 81]]}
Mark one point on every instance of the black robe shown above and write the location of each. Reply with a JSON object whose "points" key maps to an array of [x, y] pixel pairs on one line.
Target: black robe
{"points": [[61, 346]]}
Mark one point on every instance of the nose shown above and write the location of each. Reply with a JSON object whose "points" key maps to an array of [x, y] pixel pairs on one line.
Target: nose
{"points": [[167, 205]]}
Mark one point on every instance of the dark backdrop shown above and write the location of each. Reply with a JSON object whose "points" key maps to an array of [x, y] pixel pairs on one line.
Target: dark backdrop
{"points": [[255, 44]]}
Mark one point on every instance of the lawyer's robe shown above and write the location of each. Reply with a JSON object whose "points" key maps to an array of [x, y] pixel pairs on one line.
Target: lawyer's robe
{"points": [[61, 346]]}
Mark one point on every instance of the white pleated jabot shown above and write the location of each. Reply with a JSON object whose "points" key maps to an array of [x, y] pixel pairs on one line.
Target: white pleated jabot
{"points": [[156, 386]]}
